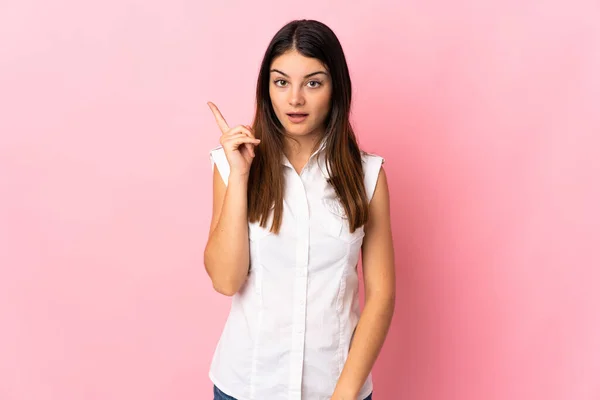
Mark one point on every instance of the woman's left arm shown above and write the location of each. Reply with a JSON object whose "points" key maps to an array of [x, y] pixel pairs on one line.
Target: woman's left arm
{"points": [[380, 292]]}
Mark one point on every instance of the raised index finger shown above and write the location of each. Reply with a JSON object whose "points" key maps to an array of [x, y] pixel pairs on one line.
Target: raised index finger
{"points": [[219, 118]]}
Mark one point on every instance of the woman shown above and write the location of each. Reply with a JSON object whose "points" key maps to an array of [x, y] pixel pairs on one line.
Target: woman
{"points": [[294, 202]]}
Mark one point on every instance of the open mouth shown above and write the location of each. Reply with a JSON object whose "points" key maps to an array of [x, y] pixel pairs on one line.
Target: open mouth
{"points": [[297, 117]]}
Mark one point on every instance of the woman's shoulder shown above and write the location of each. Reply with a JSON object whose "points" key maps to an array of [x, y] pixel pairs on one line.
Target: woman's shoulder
{"points": [[217, 154], [371, 166], [218, 158], [217, 150], [369, 158]]}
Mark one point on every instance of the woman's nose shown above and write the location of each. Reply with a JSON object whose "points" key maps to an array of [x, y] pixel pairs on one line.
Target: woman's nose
{"points": [[296, 97]]}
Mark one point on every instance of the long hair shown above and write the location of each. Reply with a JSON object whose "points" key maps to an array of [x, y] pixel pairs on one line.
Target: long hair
{"points": [[266, 182]]}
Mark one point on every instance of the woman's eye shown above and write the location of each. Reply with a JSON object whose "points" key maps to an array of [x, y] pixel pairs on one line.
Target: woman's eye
{"points": [[311, 84]]}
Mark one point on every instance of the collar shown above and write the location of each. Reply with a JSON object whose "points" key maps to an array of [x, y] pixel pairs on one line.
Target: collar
{"points": [[285, 161]]}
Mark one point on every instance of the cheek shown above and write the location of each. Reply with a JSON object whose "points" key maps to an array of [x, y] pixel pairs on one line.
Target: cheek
{"points": [[323, 104], [275, 101]]}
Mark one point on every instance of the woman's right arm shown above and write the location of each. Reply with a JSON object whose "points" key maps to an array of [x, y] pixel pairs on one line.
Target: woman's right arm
{"points": [[227, 253]]}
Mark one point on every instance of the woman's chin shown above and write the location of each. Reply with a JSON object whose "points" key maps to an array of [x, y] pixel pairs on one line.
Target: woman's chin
{"points": [[299, 130]]}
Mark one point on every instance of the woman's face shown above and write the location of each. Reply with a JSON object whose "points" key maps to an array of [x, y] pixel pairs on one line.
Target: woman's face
{"points": [[300, 84]]}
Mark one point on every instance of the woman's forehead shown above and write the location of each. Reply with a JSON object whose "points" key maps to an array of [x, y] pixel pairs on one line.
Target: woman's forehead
{"points": [[296, 65]]}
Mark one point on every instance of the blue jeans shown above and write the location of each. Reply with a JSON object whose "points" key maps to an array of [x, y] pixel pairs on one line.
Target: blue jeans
{"points": [[222, 396]]}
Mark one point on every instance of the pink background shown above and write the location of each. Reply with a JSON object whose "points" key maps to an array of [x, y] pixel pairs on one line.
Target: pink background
{"points": [[487, 114]]}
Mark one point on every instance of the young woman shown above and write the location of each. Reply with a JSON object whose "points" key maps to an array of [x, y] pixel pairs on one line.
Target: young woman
{"points": [[295, 201]]}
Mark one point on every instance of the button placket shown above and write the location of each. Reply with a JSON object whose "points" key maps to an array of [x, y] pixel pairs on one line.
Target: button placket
{"points": [[300, 290]]}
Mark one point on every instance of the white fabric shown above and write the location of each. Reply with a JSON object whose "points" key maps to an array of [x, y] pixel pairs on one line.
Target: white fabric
{"points": [[290, 325]]}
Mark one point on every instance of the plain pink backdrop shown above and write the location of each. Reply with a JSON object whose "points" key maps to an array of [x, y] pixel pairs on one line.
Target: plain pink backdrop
{"points": [[486, 112]]}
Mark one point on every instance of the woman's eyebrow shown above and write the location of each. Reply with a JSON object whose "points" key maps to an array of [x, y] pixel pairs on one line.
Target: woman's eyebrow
{"points": [[306, 76]]}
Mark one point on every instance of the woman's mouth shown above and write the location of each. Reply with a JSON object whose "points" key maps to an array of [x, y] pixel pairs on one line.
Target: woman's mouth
{"points": [[297, 118]]}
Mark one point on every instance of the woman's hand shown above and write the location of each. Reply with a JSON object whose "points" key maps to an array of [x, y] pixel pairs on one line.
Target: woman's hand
{"points": [[238, 143]]}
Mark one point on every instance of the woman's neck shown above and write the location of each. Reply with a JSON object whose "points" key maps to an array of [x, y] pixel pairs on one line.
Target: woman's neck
{"points": [[299, 149]]}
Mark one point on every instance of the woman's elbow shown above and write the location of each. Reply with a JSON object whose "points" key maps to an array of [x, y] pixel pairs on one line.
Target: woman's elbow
{"points": [[222, 284], [225, 290]]}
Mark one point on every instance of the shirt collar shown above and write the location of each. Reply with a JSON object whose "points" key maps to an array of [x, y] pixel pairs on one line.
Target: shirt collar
{"points": [[285, 161]]}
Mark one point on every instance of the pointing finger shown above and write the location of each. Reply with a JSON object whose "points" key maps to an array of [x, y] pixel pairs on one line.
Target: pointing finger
{"points": [[219, 118]]}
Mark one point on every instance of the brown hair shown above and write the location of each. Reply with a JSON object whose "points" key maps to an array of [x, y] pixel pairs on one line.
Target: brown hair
{"points": [[266, 184]]}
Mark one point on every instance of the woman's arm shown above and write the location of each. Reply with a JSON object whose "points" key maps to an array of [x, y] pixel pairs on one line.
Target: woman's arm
{"points": [[380, 292], [227, 253]]}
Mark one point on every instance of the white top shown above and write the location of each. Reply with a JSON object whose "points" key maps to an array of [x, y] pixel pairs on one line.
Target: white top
{"points": [[290, 325]]}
